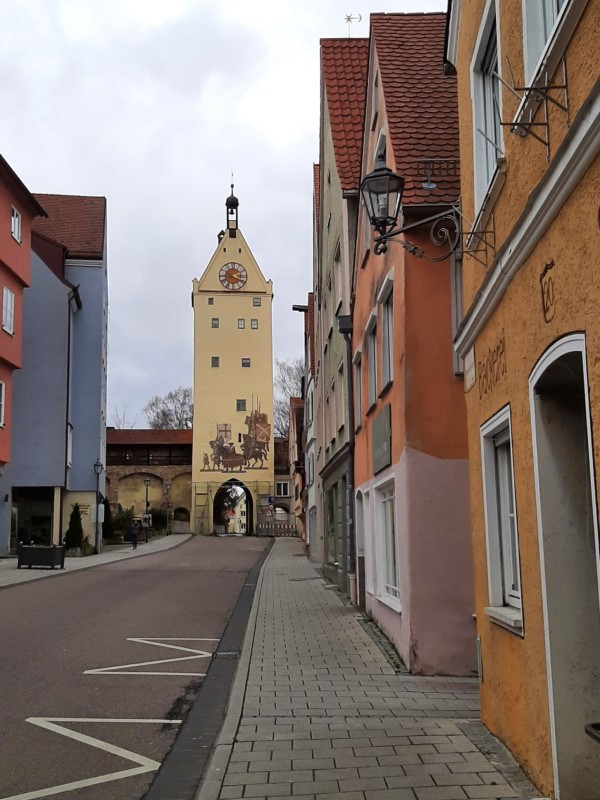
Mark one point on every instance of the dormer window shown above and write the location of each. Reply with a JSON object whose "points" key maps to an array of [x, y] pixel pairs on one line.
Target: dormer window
{"points": [[15, 225]]}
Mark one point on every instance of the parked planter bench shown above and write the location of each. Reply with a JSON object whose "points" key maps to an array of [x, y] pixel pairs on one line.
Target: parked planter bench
{"points": [[44, 556]]}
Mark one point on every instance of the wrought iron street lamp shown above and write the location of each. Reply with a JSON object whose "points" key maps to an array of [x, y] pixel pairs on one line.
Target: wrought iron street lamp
{"points": [[381, 192], [98, 469], [167, 488]]}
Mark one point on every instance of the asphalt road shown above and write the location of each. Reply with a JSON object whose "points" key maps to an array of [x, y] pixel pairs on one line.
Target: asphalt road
{"points": [[82, 697]]}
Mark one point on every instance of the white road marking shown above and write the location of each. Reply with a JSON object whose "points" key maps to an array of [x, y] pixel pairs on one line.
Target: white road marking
{"points": [[127, 669], [143, 764]]}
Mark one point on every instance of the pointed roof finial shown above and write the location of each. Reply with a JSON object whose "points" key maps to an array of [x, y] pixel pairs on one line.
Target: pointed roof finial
{"points": [[232, 202]]}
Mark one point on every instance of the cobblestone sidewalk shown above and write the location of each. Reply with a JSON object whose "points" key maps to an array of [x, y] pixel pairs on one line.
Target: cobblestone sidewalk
{"points": [[318, 712]]}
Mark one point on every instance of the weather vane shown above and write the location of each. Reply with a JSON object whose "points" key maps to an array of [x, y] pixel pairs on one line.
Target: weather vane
{"points": [[350, 18]]}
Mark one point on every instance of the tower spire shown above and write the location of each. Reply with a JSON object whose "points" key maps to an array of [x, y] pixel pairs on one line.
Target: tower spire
{"points": [[231, 204]]}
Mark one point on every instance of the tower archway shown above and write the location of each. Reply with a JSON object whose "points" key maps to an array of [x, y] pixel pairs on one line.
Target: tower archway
{"points": [[233, 509]]}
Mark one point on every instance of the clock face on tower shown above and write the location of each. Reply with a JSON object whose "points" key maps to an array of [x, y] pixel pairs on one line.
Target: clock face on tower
{"points": [[233, 276]]}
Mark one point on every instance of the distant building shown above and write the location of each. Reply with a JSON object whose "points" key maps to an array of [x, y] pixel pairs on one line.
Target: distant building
{"points": [[297, 467], [162, 457], [233, 384]]}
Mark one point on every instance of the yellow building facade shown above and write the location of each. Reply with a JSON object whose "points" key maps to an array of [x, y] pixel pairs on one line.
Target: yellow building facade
{"points": [[233, 387], [529, 110]]}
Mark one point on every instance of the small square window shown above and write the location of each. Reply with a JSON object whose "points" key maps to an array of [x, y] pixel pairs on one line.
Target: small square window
{"points": [[256, 301], [214, 361], [240, 405], [241, 324], [211, 301], [245, 362], [15, 225], [214, 322], [254, 324]]}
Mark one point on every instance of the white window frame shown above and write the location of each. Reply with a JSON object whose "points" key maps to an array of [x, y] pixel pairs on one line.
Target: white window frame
{"points": [[338, 279], [358, 403], [388, 562], [8, 310], [540, 20], [15, 225], [282, 489], [385, 299], [2, 402], [484, 88], [548, 59], [371, 348], [501, 528]]}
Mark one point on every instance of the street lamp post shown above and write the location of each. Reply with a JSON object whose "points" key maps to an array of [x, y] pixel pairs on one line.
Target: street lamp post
{"points": [[167, 488], [98, 469], [146, 484]]}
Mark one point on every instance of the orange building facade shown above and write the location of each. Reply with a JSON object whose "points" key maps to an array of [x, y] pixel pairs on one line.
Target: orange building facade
{"points": [[411, 470], [529, 110]]}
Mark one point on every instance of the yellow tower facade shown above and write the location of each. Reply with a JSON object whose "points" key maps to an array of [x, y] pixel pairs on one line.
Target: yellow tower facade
{"points": [[233, 388]]}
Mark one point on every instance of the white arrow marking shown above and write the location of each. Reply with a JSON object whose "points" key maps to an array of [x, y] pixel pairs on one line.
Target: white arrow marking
{"points": [[127, 669], [144, 764]]}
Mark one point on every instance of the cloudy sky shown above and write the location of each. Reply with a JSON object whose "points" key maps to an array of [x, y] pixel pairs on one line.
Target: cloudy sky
{"points": [[153, 104]]}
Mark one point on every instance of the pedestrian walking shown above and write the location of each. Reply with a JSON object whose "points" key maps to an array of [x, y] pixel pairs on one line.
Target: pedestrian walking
{"points": [[133, 530]]}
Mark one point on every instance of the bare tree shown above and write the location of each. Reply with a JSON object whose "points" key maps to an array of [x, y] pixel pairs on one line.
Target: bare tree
{"points": [[121, 420], [175, 410], [287, 382]]}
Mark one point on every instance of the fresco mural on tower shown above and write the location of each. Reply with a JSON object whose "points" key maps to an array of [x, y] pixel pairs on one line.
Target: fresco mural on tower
{"points": [[254, 446]]}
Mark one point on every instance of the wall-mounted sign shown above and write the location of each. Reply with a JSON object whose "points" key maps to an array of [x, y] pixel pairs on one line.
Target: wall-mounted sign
{"points": [[492, 367], [382, 439], [547, 288]]}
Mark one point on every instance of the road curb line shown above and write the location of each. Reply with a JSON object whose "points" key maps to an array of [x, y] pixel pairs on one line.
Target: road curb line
{"points": [[212, 780]]}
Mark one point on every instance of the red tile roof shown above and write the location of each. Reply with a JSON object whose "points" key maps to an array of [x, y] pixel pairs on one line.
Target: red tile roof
{"points": [[344, 72], [75, 221], [147, 436], [420, 102], [10, 177], [310, 325]]}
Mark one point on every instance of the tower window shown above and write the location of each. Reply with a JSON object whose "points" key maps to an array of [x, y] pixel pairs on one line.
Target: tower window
{"points": [[241, 324], [211, 301], [245, 362], [256, 301], [240, 405], [214, 361], [214, 322], [254, 325]]}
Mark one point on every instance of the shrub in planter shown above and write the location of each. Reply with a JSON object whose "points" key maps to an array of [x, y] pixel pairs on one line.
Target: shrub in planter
{"points": [[74, 534]]}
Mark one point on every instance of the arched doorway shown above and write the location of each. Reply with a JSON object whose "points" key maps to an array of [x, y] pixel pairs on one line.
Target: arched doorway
{"points": [[181, 521], [233, 509], [568, 538]]}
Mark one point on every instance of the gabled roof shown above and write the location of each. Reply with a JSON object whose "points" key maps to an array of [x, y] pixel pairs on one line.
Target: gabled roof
{"points": [[8, 175], [76, 221], [148, 436], [344, 71], [420, 102]]}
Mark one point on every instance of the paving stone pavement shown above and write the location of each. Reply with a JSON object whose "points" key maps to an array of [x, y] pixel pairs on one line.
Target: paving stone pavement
{"points": [[317, 711]]}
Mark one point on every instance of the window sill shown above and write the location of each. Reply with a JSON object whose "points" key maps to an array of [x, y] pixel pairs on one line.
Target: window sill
{"points": [[507, 617], [6, 330], [386, 388], [391, 602]]}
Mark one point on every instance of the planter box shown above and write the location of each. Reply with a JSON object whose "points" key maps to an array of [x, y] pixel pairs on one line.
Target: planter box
{"points": [[80, 552], [28, 556]]}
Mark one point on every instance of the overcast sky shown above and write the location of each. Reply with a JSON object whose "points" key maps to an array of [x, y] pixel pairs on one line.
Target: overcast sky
{"points": [[153, 104]]}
